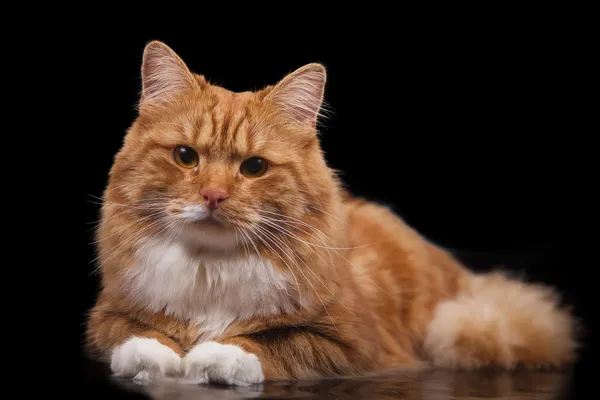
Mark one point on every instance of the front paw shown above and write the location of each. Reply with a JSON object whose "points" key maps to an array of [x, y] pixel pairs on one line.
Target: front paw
{"points": [[212, 362], [145, 360]]}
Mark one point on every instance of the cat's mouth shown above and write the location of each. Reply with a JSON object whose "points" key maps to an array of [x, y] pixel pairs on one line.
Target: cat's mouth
{"points": [[210, 220], [201, 217]]}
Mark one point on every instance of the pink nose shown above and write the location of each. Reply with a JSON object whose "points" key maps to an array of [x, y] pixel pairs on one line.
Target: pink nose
{"points": [[213, 197]]}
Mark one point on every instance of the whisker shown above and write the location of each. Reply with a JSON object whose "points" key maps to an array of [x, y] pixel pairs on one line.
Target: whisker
{"points": [[322, 282], [334, 249], [303, 223], [320, 233], [170, 224], [285, 262], [123, 229], [285, 231], [141, 205], [292, 220], [282, 230], [135, 237], [239, 235], [306, 279]]}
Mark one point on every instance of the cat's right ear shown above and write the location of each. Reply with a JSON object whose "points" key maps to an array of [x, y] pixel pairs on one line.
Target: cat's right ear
{"points": [[300, 94], [164, 74]]}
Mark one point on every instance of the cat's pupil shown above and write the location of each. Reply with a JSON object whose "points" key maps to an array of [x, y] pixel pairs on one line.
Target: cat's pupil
{"points": [[254, 165], [187, 155]]}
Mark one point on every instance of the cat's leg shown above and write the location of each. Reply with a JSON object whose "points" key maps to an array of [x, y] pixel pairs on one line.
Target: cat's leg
{"points": [[131, 349], [500, 322], [247, 360]]}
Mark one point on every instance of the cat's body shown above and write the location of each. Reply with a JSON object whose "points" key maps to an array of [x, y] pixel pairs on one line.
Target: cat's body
{"points": [[291, 277]]}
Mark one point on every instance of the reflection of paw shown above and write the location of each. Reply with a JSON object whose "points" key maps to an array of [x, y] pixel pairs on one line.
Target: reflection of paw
{"points": [[144, 360], [212, 362]]}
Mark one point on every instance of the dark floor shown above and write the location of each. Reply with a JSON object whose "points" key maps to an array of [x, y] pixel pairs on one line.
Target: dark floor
{"points": [[435, 384], [577, 382]]}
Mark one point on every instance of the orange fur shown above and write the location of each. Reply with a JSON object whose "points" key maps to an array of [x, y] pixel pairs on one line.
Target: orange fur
{"points": [[366, 292]]}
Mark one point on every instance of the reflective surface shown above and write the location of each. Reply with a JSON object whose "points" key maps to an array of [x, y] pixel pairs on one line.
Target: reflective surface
{"points": [[436, 385]]}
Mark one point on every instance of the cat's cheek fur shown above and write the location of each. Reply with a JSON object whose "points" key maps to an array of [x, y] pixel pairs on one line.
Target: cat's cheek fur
{"points": [[212, 362], [145, 360]]}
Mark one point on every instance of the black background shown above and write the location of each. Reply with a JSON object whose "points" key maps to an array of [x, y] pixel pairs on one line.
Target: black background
{"points": [[477, 136]]}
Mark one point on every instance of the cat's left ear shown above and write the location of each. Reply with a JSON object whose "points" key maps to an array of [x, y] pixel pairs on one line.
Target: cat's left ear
{"points": [[164, 74], [300, 94]]}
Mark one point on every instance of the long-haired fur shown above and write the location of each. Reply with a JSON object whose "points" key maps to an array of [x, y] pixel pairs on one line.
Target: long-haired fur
{"points": [[290, 277]]}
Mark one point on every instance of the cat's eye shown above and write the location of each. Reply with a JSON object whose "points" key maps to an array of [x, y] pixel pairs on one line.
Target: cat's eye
{"points": [[185, 156], [254, 167]]}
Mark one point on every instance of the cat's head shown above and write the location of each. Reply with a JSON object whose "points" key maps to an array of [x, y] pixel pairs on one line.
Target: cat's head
{"points": [[210, 165]]}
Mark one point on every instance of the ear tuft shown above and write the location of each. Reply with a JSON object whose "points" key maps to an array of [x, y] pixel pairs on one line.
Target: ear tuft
{"points": [[164, 74], [300, 94]]}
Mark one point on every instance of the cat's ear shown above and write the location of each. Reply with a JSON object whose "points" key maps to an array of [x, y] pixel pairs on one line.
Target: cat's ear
{"points": [[300, 94], [164, 74]]}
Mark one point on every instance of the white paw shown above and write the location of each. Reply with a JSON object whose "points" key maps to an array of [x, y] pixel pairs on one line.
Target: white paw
{"points": [[144, 360], [212, 362]]}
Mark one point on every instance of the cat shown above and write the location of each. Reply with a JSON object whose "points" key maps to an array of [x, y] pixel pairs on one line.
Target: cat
{"points": [[229, 252]]}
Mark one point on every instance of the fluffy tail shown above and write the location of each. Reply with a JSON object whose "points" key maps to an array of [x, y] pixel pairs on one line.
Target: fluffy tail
{"points": [[501, 322]]}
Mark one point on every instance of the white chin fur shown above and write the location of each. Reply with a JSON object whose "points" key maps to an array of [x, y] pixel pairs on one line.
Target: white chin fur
{"points": [[145, 360], [200, 232], [212, 362], [211, 236]]}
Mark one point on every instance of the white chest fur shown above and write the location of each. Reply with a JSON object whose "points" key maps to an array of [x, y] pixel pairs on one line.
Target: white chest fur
{"points": [[211, 292]]}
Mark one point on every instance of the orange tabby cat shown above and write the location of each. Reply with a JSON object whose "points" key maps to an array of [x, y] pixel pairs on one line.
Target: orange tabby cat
{"points": [[230, 253]]}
